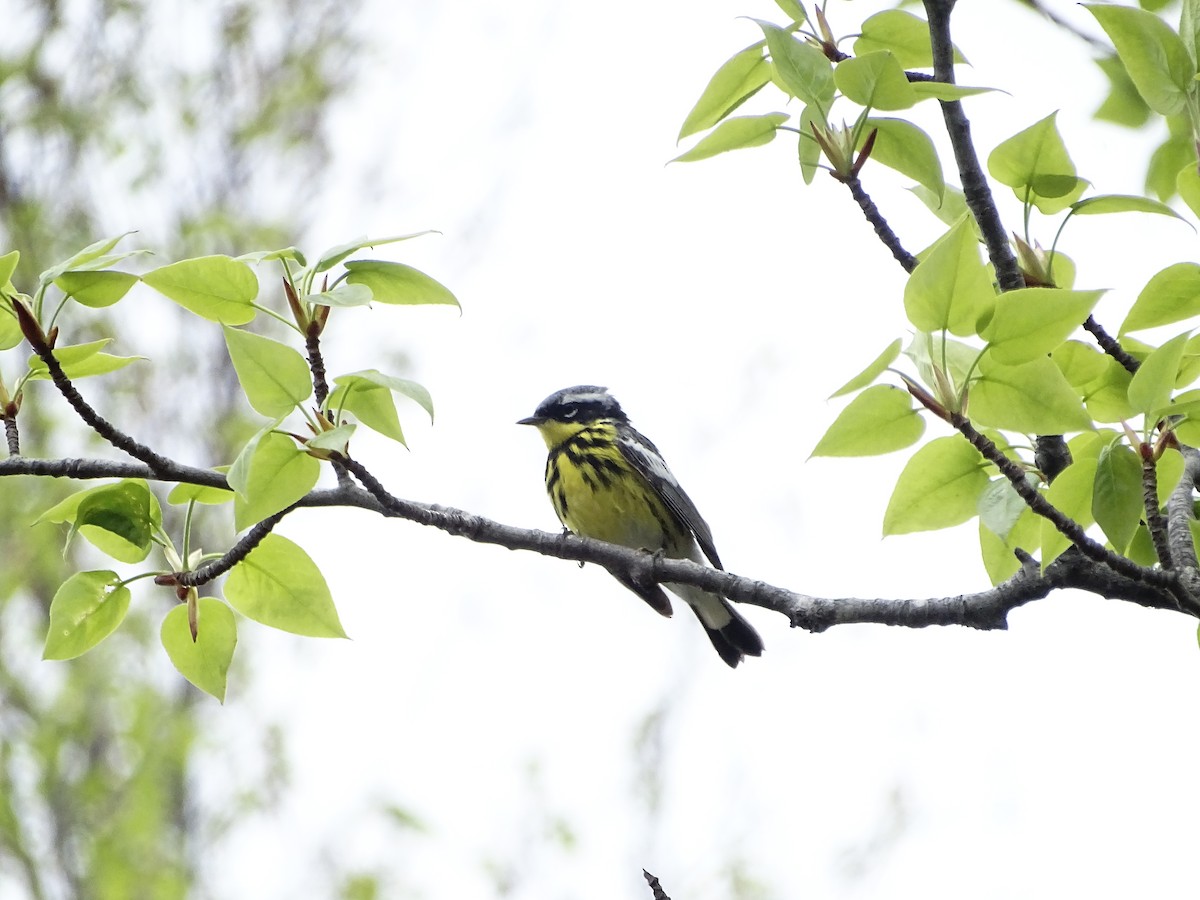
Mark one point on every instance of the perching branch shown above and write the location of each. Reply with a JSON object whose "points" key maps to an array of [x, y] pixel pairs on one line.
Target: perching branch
{"points": [[970, 172]]}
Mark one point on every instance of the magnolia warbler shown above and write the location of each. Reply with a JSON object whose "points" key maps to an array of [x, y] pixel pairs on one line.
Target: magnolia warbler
{"points": [[607, 481]]}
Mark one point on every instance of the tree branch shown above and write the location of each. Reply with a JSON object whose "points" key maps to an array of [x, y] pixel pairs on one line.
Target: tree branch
{"points": [[878, 222], [970, 172], [1110, 345], [1155, 523], [986, 610], [1180, 512], [11, 434]]}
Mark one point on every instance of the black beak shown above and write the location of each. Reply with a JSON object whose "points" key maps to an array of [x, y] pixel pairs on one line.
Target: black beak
{"points": [[531, 420]]}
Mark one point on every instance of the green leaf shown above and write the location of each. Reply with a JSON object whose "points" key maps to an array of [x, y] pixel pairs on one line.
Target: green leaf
{"points": [[119, 519], [735, 134], [808, 150], [1000, 507], [258, 256], [1172, 295], [1033, 398], [274, 376], [1187, 183], [1123, 105], [871, 372], [1172, 155], [336, 254], [187, 493], [336, 439], [1071, 494], [1107, 397], [1080, 363], [345, 295], [794, 10], [67, 508], [368, 394], [1154, 381], [216, 288], [1035, 164], [875, 80], [904, 34], [802, 70], [1167, 472], [85, 610], [902, 146], [81, 361], [951, 207], [1157, 60], [8, 265], [1114, 203], [83, 258], [276, 474], [396, 283], [951, 287], [1031, 322], [280, 586], [1117, 495], [998, 556], [934, 353], [879, 420], [939, 90], [10, 331], [95, 289], [205, 661], [738, 79], [939, 487]]}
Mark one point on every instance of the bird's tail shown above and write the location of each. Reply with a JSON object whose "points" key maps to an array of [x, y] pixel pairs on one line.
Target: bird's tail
{"points": [[733, 637]]}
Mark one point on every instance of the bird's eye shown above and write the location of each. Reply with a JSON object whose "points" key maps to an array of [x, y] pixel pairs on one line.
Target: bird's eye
{"points": [[570, 413]]}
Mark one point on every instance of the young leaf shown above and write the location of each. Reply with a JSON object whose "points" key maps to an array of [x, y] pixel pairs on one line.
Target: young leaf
{"points": [[1080, 363], [951, 207], [940, 90], [277, 475], [205, 661], [186, 493], [84, 257], [257, 256], [879, 420], [216, 288], [1107, 397], [737, 80], [1170, 296], [85, 610], [1154, 381], [344, 295], [951, 287], [119, 519], [1000, 507], [396, 283], [368, 394], [8, 265], [999, 559], [95, 289], [803, 71], [280, 586], [1036, 165], [871, 372], [1153, 54], [335, 439], [875, 80], [902, 146], [940, 487], [735, 134], [1031, 322], [1117, 494], [1113, 203], [1167, 472], [1187, 183], [81, 361], [904, 34], [1171, 156], [1123, 105], [335, 255], [1071, 494], [1033, 398], [273, 375]]}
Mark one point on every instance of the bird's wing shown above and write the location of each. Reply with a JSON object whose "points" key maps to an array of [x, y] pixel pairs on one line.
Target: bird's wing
{"points": [[648, 462]]}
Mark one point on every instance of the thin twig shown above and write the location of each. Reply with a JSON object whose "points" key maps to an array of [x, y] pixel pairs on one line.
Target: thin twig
{"points": [[889, 237], [655, 887], [11, 433], [970, 172], [239, 551], [1110, 345], [316, 363]]}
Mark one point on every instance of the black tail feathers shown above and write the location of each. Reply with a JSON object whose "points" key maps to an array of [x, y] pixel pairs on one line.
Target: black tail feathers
{"points": [[736, 639]]}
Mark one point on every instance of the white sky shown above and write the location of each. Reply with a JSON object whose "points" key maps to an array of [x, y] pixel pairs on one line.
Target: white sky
{"points": [[721, 302]]}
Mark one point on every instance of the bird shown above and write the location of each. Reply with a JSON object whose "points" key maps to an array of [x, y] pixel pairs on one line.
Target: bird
{"points": [[608, 481]]}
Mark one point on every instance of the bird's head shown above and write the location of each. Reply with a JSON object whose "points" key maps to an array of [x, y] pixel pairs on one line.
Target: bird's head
{"points": [[572, 409]]}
